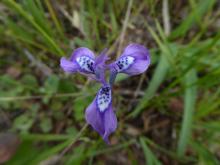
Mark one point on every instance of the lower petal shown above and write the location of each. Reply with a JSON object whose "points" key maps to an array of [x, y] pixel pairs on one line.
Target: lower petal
{"points": [[100, 114], [94, 118], [110, 123]]}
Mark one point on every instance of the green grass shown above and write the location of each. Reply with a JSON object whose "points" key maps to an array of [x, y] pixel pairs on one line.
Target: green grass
{"points": [[175, 118]]}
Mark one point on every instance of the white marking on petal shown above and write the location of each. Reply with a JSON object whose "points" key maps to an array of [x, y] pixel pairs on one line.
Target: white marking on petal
{"points": [[124, 63], [85, 63], [104, 98]]}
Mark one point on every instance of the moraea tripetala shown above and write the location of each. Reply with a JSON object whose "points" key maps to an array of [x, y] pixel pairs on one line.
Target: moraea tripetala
{"points": [[100, 114]]}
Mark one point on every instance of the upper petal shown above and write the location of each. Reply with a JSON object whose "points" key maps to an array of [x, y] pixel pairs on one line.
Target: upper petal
{"points": [[100, 66], [82, 51], [134, 60], [68, 66], [102, 58], [83, 60], [134, 49]]}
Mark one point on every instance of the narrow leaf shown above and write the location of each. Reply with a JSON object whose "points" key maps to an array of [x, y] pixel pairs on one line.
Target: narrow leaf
{"points": [[189, 106]]}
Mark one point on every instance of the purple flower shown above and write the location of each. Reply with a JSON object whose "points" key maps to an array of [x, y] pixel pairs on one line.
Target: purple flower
{"points": [[100, 66], [100, 114], [134, 60], [84, 61], [81, 60]]}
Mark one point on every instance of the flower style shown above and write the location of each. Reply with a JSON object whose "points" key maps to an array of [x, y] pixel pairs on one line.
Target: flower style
{"points": [[100, 114]]}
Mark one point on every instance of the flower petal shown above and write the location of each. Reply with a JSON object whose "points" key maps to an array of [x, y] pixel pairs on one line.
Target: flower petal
{"points": [[85, 58], [134, 60], [104, 98], [139, 66], [134, 49], [100, 114], [68, 66], [94, 118], [110, 123], [102, 58], [82, 51], [100, 66], [81, 60]]}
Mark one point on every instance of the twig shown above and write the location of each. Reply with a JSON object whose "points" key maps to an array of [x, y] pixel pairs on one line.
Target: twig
{"points": [[4, 117], [71, 19], [125, 24], [41, 66], [56, 158], [137, 91], [129, 92], [111, 49], [166, 17], [73, 141], [53, 15], [38, 96], [131, 18]]}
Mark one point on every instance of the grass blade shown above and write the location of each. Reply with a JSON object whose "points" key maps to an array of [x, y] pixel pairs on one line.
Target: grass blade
{"points": [[166, 60], [15, 6], [54, 17], [189, 105], [202, 8], [205, 156], [149, 156], [158, 77]]}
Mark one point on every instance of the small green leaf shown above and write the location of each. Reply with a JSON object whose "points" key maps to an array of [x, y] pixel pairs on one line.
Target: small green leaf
{"points": [[51, 84], [23, 123], [46, 124]]}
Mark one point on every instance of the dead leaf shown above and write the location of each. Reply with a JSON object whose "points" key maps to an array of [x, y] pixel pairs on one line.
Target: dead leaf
{"points": [[176, 104], [53, 160], [8, 145], [133, 131], [13, 72]]}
